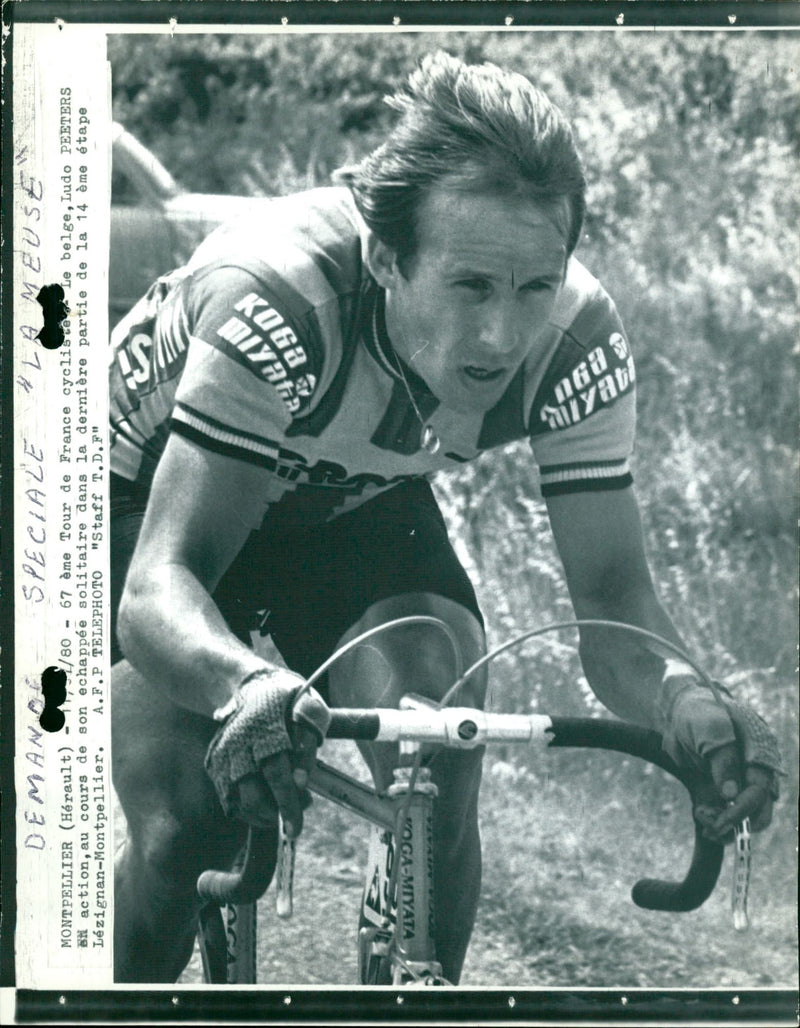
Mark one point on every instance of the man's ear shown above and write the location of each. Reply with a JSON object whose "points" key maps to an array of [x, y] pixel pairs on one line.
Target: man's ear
{"points": [[381, 261]]}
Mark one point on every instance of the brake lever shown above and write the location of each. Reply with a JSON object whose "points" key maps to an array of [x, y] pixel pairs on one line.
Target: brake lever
{"points": [[741, 875], [284, 874]]}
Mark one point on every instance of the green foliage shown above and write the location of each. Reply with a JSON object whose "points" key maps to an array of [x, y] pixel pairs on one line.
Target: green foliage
{"points": [[259, 114], [690, 142]]}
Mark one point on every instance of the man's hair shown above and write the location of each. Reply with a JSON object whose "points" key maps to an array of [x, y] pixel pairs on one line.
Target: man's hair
{"points": [[484, 130]]}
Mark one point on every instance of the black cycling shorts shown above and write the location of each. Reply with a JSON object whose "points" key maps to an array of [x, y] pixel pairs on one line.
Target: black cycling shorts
{"points": [[307, 586]]}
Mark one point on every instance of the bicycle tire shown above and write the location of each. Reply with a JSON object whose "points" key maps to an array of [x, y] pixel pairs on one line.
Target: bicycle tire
{"points": [[379, 971], [373, 968], [227, 924], [241, 934], [212, 944]]}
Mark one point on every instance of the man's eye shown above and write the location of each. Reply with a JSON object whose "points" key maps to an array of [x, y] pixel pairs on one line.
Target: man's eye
{"points": [[475, 285], [538, 287]]}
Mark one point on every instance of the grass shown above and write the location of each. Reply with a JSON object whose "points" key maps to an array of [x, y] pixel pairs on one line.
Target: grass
{"points": [[561, 857]]}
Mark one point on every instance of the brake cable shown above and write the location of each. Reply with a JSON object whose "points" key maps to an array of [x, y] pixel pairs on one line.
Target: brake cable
{"points": [[743, 855], [741, 831]]}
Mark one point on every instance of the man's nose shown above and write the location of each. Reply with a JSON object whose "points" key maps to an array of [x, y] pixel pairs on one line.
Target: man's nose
{"points": [[499, 330]]}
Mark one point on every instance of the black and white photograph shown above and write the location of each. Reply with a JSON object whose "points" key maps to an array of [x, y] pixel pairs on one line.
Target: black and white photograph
{"points": [[442, 625]]}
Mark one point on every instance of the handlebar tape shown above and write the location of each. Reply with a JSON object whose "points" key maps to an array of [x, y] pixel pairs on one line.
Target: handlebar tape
{"points": [[706, 863], [355, 724], [250, 880], [257, 867]]}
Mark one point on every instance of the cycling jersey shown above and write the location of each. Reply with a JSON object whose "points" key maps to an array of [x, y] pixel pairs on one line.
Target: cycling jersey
{"points": [[270, 347]]}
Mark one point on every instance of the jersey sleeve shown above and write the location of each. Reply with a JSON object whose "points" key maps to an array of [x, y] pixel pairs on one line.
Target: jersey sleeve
{"points": [[583, 420], [253, 365]]}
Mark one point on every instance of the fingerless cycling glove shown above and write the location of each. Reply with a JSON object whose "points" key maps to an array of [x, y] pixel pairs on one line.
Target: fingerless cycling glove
{"points": [[690, 714], [255, 727]]}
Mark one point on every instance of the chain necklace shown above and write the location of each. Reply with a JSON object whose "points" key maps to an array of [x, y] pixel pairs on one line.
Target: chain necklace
{"points": [[429, 440]]}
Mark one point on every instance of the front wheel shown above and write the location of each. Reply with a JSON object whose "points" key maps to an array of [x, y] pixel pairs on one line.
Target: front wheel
{"points": [[374, 962], [240, 932]]}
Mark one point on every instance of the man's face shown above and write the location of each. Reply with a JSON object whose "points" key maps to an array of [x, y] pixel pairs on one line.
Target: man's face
{"points": [[477, 294]]}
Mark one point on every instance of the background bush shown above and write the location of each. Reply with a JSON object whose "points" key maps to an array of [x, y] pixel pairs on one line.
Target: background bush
{"points": [[690, 142]]}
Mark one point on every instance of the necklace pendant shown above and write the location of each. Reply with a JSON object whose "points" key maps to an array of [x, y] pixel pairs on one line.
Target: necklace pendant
{"points": [[430, 440]]}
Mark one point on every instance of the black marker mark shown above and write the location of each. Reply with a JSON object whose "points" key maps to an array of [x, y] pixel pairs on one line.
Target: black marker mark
{"points": [[55, 310], [54, 691]]}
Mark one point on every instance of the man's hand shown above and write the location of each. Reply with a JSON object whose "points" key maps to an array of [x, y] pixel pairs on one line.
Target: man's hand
{"points": [[729, 742], [257, 769]]}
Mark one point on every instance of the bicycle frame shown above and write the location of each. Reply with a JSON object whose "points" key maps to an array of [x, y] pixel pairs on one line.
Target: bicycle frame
{"points": [[396, 923], [227, 939]]}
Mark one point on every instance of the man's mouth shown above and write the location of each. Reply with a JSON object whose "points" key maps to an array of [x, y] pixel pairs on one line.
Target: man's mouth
{"points": [[483, 374]]}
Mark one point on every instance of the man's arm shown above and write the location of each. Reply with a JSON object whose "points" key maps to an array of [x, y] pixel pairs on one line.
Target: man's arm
{"points": [[201, 509], [600, 541]]}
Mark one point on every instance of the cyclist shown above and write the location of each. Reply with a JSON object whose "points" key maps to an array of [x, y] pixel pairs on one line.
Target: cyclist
{"points": [[276, 408]]}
